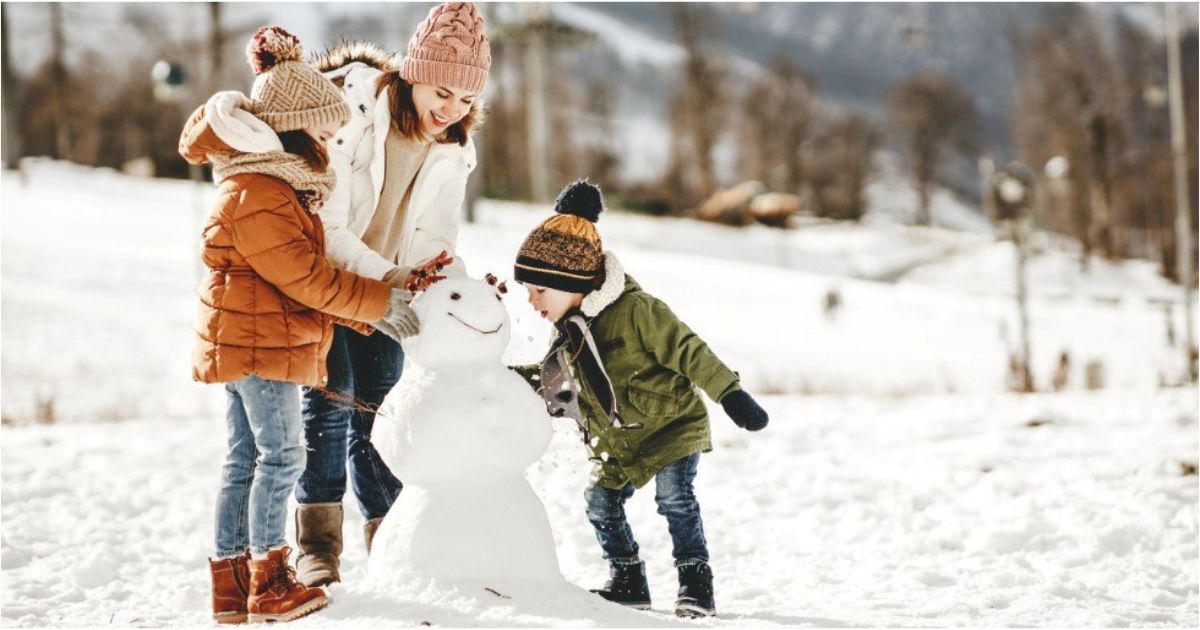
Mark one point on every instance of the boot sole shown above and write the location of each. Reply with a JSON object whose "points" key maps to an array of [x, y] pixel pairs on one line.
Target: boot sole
{"points": [[635, 606], [693, 611], [291, 615], [233, 617]]}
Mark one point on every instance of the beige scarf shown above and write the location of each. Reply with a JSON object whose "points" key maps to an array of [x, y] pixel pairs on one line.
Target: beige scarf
{"points": [[312, 188], [255, 148]]}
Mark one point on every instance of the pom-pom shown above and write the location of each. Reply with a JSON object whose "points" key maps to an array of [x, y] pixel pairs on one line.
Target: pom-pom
{"points": [[272, 45], [582, 199]]}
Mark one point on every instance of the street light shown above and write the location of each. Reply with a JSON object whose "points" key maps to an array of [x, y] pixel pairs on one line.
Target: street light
{"points": [[1012, 193], [168, 80], [1057, 167]]}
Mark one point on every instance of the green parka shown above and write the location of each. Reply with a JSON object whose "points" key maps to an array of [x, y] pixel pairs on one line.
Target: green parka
{"points": [[655, 363]]}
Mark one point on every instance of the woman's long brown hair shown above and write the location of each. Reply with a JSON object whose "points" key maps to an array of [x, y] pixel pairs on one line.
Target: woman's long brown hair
{"points": [[404, 112], [312, 150]]}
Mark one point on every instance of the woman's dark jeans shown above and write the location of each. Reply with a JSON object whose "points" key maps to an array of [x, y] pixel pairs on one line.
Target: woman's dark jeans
{"points": [[338, 422]]}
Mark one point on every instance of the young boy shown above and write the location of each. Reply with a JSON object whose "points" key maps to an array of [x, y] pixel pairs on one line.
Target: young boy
{"points": [[625, 368]]}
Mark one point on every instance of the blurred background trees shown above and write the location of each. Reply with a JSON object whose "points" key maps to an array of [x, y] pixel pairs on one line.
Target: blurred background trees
{"points": [[666, 106]]}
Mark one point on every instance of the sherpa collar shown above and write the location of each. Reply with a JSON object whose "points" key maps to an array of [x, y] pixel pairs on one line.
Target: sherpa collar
{"points": [[613, 287], [229, 117]]}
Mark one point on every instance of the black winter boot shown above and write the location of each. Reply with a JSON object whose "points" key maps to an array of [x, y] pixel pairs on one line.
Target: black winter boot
{"points": [[627, 586], [695, 591]]}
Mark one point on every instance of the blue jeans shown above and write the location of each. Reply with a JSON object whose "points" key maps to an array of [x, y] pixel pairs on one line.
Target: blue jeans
{"points": [[265, 457], [338, 422], [676, 501]]}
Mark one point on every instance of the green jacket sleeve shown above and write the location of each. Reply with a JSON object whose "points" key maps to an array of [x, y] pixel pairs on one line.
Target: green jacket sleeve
{"points": [[679, 349]]}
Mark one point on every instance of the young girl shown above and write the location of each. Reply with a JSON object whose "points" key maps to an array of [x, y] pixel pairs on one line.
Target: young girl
{"points": [[266, 310], [626, 369], [402, 164]]}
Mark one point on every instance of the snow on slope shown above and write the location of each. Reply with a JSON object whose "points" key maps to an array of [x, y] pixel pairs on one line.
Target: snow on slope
{"points": [[861, 508], [109, 301]]}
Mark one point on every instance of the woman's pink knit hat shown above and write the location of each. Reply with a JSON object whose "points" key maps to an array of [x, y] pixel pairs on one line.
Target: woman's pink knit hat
{"points": [[449, 49]]}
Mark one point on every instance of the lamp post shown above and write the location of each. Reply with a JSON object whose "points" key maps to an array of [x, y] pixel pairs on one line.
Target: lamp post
{"points": [[1183, 233], [170, 82], [1012, 193]]}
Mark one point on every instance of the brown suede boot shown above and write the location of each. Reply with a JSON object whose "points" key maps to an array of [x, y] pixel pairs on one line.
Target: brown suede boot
{"points": [[319, 536], [230, 587], [275, 595], [369, 529]]}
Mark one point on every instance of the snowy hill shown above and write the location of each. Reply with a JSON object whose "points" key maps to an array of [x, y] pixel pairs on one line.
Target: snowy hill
{"points": [[124, 264], [898, 484]]}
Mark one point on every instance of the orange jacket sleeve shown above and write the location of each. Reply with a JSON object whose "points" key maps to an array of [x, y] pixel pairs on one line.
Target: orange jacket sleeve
{"points": [[198, 139], [267, 232]]}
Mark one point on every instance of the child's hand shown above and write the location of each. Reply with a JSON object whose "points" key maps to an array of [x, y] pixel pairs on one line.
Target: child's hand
{"points": [[425, 274], [744, 411]]}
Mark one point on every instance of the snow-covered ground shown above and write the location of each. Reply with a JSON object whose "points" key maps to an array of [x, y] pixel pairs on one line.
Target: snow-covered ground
{"points": [[898, 484]]}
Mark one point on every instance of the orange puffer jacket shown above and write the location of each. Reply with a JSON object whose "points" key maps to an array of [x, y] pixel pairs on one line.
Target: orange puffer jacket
{"points": [[270, 297]]}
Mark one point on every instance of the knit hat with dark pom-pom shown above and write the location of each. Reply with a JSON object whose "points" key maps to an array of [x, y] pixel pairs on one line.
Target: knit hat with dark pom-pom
{"points": [[565, 251], [289, 94]]}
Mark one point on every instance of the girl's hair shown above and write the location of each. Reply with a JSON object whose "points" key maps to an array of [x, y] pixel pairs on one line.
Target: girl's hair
{"points": [[312, 150], [404, 112]]}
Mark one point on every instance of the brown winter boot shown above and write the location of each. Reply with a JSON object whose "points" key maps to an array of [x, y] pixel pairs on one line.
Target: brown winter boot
{"points": [[319, 536], [275, 595], [369, 529], [230, 586]]}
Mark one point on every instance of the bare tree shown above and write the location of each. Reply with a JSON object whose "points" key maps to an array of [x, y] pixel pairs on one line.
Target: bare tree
{"points": [[504, 159], [1070, 103], [841, 166], [697, 108], [58, 83], [12, 141], [598, 154], [936, 117], [777, 117]]}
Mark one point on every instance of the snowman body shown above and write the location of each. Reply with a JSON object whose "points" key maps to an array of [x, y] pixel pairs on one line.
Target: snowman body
{"points": [[459, 430]]}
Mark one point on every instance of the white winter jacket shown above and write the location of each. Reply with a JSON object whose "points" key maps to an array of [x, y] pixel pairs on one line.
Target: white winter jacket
{"points": [[356, 155]]}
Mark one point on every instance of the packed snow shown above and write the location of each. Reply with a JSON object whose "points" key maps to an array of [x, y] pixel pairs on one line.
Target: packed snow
{"points": [[897, 484]]}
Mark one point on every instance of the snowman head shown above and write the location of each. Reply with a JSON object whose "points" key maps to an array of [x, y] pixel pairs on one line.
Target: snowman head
{"points": [[463, 321]]}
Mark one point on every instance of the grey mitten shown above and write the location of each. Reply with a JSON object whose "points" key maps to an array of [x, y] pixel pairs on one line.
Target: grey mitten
{"points": [[399, 321]]}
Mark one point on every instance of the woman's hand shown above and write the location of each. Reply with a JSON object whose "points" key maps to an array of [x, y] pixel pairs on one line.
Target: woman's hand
{"points": [[398, 277], [425, 274]]}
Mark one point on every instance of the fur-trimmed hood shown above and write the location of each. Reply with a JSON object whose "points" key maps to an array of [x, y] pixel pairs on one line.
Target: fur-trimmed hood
{"points": [[345, 53], [612, 288]]}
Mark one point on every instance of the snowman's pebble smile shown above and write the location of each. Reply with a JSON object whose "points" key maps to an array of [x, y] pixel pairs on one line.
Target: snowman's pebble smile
{"points": [[482, 332]]}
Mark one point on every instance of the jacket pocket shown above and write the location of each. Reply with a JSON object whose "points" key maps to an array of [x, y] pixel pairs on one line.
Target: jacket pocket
{"points": [[650, 404]]}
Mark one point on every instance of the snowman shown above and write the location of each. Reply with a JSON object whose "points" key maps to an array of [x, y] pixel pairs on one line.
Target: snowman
{"points": [[459, 430]]}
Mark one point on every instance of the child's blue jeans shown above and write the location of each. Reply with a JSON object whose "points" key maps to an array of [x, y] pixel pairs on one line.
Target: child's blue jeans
{"points": [[264, 460], [676, 501]]}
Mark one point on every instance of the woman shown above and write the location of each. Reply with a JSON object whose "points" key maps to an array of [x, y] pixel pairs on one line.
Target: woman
{"points": [[402, 164], [266, 310]]}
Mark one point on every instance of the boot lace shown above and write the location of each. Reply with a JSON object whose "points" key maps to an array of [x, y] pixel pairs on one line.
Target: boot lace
{"points": [[283, 579]]}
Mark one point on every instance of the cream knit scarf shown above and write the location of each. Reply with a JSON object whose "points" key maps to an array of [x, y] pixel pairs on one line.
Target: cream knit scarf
{"points": [[256, 149]]}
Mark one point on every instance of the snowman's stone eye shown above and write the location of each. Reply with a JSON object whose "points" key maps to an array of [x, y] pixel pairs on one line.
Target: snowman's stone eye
{"points": [[455, 296], [498, 298]]}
